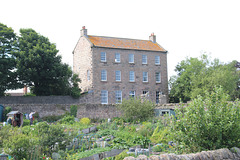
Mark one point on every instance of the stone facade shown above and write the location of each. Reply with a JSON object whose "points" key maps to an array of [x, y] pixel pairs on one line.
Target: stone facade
{"points": [[87, 63]]}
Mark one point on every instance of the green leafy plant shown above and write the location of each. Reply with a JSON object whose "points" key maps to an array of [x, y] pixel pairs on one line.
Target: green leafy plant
{"points": [[163, 135], [85, 121], [161, 148], [52, 137], [19, 145], [75, 90], [6, 111], [136, 109], [122, 155], [87, 153], [67, 120], [146, 129], [209, 122], [73, 110]]}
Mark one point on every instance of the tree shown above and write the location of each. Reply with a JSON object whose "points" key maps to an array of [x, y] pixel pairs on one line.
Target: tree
{"points": [[224, 75], [195, 76], [75, 90], [208, 122], [136, 109], [8, 46], [181, 85], [39, 65]]}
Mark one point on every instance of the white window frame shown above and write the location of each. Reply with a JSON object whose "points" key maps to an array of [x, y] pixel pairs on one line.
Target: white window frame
{"points": [[157, 60], [158, 77], [118, 76], [88, 75], [117, 57], [118, 97], [103, 75], [145, 76], [131, 76], [144, 59], [104, 97], [132, 94], [103, 57], [131, 58]]}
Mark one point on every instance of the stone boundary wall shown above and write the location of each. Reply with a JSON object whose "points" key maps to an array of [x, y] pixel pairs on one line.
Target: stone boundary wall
{"points": [[220, 154], [58, 105], [86, 98], [84, 110]]}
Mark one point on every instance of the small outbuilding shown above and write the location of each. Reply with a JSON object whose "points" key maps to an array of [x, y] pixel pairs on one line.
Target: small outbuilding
{"points": [[17, 118], [163, 111]]}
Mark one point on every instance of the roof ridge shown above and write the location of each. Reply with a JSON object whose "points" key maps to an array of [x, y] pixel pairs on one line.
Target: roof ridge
{"points": [[119, 38]]}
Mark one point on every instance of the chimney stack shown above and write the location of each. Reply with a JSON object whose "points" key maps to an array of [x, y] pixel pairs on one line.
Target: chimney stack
{"points": [[152, 38], [83, 31]]}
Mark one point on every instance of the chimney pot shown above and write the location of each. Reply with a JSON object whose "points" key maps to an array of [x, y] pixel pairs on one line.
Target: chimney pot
{"points": [[83, 31], [152, 38]]}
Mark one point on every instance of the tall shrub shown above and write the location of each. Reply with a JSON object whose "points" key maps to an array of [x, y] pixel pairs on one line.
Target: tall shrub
{"points": [[136, 109], [73, 110], [208, 122]]}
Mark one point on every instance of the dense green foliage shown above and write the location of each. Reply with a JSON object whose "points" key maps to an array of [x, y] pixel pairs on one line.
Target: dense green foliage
{"points": [[209, 122], [87, 153], [39, 139], [85, 121], [67, 120], [6, 111], [8, 46], [32, 60], [195, 76], [39, 65], [135, 109], [75, 90], [73, 110]]}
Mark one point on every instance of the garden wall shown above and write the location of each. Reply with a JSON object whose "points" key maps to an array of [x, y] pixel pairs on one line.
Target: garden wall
{"points": [[220, 154], [58, 105], [84, 110]]}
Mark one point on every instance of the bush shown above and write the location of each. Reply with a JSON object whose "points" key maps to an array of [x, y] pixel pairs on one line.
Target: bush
{"points": [[161, 135], [85, 121], [73, 110], [67, 120], [6, 111], [146, 129], [26, 122], [122, 155], [209, 122], [19, 145], [136, 109], [49, 135], [53, 118]]}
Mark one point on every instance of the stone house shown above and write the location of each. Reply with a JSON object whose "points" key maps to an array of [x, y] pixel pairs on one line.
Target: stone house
{"points": [[112, 69]]}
